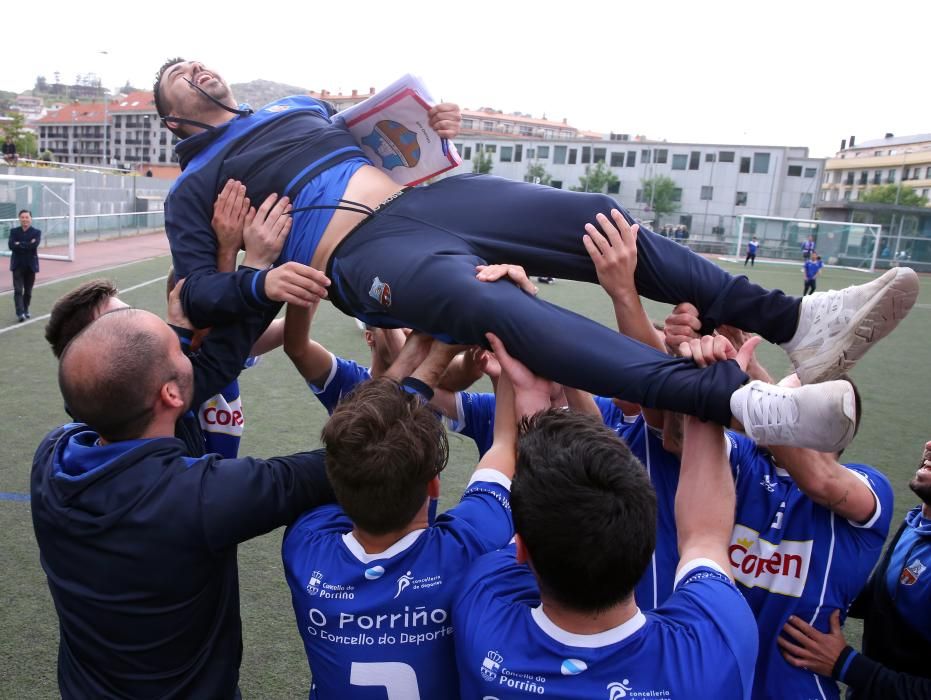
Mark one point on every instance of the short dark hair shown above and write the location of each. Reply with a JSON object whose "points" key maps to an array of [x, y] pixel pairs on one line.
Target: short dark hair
{"points": [[114, 392], [24, 211], [383, 447], [585, 509], [161, 108], [73, 312]]}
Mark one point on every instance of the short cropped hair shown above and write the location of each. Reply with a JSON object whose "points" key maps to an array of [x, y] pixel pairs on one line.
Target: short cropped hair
{"points": [[585, 509], [383, 447], [73, 312], [24, 211], [114, 390], [161, 108]]}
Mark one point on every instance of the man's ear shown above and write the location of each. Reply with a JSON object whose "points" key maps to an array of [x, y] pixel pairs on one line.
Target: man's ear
{"points": [[523, 556], [433, 487], [171, 395]]}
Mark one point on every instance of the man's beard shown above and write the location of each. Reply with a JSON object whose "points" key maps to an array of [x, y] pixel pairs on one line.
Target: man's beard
{"points": [[922, 490]]}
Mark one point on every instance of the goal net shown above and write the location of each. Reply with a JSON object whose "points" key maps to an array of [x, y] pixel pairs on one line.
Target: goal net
{"points": [[837, 242], [52, 203]]}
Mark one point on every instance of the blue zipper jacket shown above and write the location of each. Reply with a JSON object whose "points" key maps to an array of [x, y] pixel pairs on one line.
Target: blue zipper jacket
{"points": [[138, 542], [279, 149]]}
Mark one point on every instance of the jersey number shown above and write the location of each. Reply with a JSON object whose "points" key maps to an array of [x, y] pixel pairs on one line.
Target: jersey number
{"points": [[398, 679]]}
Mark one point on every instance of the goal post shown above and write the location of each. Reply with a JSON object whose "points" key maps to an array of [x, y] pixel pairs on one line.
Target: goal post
{"points": [[837, 242], [52, 203]]}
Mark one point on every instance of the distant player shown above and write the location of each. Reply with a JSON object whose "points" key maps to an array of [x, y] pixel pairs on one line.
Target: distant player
{"points": [[555, 614], [751, 252], [370, 581], [812, 268], [808, 247]]}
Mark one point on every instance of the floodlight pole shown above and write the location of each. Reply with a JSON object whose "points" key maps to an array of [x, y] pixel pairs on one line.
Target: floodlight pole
{"points": [[71, 215], [740, 235]]}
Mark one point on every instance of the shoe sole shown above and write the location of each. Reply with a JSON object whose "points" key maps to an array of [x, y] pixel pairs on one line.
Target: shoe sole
{"points": [[875, 321]]}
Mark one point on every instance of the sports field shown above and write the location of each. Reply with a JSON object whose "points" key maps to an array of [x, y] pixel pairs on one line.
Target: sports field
{"points": [[282, 417]]}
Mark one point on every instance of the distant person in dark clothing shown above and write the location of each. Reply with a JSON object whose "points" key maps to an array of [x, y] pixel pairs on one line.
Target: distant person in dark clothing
{"points": [[808, 248], [751, 252], [138, 540], [812, 268], [24, 262], [9, 151]]}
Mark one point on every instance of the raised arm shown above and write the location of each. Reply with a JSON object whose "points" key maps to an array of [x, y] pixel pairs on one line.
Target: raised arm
{"points": [[705, 497], [309, 357]]}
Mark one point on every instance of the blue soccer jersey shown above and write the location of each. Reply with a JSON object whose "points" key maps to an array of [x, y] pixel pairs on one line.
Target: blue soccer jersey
{"points": [[791, 556], [701, 643], [378, 625], [343, 378], [222, 422], [475, 418], [646, 444]]}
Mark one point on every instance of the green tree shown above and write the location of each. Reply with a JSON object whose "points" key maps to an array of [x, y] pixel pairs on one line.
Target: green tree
{"points": [[887, 194], [482, 162], [25, 141], [659, 193], [597, 179], [537, 173]]}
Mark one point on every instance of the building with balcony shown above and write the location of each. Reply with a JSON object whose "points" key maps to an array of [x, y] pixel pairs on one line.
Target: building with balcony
{"points": [[121, 133]]}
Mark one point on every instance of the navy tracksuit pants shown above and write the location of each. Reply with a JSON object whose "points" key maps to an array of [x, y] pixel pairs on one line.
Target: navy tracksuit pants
{"points": [[413, 264]]}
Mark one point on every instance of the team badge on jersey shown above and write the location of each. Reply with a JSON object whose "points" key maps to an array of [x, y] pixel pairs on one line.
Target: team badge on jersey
{"points": [[381, 292], [619, 690], [572, 667], [491, 664], [911, 573], [394, 143]]}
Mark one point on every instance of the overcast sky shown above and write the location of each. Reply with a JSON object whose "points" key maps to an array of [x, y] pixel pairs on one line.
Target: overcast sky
{"points": [[775, 73]]}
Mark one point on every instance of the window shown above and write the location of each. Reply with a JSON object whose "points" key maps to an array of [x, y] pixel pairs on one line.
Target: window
{"points": [[543, 152], [631, 159], [805, 201], [639, 196], [795, 171], [707, 192], [488, 126], [601, 154], [556, 183], [877, 177], [863, 177], [507, 154], [531, 153], [741, 199], [573, 152], [761, 163], [679, 161], [726, 157], [491, 148], [745, 165], [525, 130], [617, 159], [466, 123], [849, 177], [645, 156], [694, 160], [709, 157], [586, 154], [518, 152], [928, 174], [811, 172], [458, 147], [677, 194], [559, 155], [891, 177], [467, 153], [614, 187], [846, 195], [661, 155]]}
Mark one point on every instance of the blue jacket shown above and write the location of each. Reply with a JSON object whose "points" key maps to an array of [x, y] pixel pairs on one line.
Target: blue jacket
{"points": [[139, 545], [25, 249], [279, 149]]}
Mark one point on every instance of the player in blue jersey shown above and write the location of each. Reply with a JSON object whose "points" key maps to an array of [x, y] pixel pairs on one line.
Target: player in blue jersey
{"points": [[752, 247], [555, 614], [405, 257], [896, 609], [811, 270], [371, 582]]}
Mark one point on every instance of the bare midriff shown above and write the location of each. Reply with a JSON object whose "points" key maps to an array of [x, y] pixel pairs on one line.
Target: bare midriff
{"points": [[368, 186]]}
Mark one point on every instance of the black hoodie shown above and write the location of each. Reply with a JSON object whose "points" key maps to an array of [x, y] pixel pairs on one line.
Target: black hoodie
{"points": [[139, 545]]}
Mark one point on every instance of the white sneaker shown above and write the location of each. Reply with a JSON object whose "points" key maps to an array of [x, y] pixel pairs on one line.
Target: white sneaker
{"points": [[820, 417], [836, 328]]}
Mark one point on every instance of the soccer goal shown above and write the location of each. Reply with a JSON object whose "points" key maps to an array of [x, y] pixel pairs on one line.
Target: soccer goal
{"points": [[837, 242], [52, 203]]}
